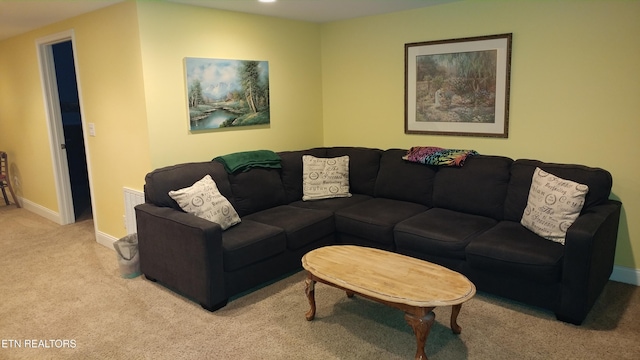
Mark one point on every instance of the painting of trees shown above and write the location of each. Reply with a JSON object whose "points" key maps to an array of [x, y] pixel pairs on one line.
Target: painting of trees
{"points": [[250, 80], [457, 87], [195, 94], [227, 93]]}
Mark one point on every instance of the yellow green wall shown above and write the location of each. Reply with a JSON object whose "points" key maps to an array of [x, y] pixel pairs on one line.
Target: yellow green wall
{"points": [[574, 86], [131, 77], [23, 130], [112, 95], [171, 32]]}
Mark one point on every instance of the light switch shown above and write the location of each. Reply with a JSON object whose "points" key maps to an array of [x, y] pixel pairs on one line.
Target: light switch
{"points": [[92, 129]]}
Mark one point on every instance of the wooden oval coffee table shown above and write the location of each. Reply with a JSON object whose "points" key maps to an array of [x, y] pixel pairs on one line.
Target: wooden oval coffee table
{"points": [[409, 284]]}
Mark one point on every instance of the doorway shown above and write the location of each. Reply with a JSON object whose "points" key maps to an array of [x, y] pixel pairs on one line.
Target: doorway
{"points": [[72, 128], [65, 124]]}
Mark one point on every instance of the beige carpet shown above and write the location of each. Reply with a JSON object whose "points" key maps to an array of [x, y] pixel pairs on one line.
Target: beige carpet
{"points": [[57, 283]]}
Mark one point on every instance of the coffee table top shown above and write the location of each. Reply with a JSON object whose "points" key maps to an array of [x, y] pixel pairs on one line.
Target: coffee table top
{"points": [[389, 276]]}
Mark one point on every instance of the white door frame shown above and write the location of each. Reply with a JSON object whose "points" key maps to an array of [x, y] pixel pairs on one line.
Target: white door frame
{"points": [[54, 123]]}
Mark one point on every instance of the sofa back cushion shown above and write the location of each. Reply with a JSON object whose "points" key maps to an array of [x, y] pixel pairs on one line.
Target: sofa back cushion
{"points": [[399, 179], [479, 187], [598, 180], [257, 189], [291, 173], [159, 182], [363, 167]]}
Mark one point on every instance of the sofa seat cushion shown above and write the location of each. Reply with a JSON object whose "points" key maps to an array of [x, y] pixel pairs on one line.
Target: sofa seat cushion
{"points": [[301, 226], [440, 232], [250, 242], [510, 248], [331, 204], [375, 219]]}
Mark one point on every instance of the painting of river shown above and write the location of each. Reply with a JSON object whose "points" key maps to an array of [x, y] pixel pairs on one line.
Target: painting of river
{"points": [[224, 93]]}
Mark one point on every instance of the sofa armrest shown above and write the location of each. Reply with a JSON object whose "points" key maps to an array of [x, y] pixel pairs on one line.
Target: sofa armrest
{"points": [[588, 260], [182, 251]]}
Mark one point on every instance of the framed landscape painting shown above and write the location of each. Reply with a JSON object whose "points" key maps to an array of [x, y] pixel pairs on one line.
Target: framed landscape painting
{"points": [[226, 94], [458, 86]]}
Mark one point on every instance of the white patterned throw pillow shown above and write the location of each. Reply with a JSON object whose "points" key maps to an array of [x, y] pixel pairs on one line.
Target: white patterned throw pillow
{"points": [[325, 178], [204, 200], [553, 205]]}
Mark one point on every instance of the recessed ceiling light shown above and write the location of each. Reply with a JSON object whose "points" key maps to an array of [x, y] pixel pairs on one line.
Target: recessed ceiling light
{"points": [[267, 1]]}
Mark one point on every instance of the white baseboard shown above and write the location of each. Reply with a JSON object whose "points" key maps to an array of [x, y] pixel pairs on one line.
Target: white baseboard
{"points": [[41, 210], [102, 238], [626, 275], [105, 240]]}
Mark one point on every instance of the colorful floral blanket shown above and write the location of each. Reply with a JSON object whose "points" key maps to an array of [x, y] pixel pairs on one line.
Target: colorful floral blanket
{"points": [[431, 155]]}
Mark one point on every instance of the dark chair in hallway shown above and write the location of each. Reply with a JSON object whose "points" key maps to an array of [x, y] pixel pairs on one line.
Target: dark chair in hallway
{"points": [[5, 179]]}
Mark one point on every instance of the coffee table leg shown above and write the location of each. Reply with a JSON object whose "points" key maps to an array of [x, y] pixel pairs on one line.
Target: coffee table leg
{"points": [[309, 289], [455, 310], [421, 324]]}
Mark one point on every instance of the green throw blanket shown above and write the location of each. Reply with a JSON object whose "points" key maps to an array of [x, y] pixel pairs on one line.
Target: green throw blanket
{"points": [[243, 161]]}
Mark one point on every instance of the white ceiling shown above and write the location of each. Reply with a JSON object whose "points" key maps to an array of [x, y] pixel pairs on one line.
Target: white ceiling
{"points": [[17, 17], [318, 11], [20, 16]]}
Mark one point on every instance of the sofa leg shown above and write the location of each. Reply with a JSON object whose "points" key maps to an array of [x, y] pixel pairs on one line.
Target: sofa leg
{"points": [[215, 307]]}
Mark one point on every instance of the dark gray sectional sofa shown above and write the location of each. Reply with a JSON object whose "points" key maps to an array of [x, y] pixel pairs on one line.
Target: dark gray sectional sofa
{"points": [[465, 218]]}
